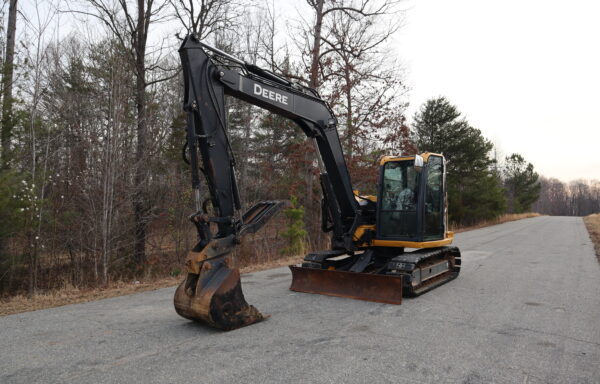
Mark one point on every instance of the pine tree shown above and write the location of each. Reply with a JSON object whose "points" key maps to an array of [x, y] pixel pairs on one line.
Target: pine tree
{"points": [[295, 233], [521, 182], [474, 190]]}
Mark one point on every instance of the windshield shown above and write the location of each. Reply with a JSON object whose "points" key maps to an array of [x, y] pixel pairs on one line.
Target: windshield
{"points": [[398, 214], [400, 184]]}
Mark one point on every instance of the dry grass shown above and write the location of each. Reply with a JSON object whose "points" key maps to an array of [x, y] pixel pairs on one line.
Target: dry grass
{"points": [[592, 222], [499, 220], [70, 295]]}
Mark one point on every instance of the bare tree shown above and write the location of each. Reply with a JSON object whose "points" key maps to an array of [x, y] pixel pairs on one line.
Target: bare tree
{"points": [[208, 18], [7, 82], [314, 34], [39, 142], [354, 9], [131, 29], [368, 82]]}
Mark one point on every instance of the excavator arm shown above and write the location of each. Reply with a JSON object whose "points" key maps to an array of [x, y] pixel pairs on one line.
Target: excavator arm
{"points": [[207, 78], [212, 290]]}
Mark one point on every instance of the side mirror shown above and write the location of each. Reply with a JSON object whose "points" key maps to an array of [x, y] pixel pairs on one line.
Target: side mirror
{"points": [[419, 163]]}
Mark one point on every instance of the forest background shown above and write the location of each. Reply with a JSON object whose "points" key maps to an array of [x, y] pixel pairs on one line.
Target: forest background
{"points": [[92, 185]]}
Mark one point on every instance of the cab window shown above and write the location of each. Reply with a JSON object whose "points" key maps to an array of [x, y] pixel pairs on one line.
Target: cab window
{"points": [[400, 190], [434, 199]]}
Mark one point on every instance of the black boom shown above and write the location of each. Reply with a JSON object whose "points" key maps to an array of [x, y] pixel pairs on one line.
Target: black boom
{"points": [[207, 78]]}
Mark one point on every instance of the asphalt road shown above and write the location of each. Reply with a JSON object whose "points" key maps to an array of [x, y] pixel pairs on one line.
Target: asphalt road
{"points": [[525, 309]]}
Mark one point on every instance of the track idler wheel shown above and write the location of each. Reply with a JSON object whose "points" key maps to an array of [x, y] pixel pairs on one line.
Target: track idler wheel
{"points": [[214, 297]]}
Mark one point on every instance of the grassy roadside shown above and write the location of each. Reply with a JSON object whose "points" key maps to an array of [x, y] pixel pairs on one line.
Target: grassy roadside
{"points": [[70, 295], [592, 222], [499, 220], [21, 303]]}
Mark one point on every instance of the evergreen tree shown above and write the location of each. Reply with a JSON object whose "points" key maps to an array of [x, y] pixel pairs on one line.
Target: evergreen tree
{"points": [[521, 182], [295, 233], [474, 190]]}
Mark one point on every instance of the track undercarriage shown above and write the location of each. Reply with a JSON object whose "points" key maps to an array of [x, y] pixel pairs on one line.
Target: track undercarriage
{"points": [[381, 275]]}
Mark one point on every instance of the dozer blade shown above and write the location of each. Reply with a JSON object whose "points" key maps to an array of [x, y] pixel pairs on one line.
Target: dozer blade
{"points": [[353, 285], [215, 297]]}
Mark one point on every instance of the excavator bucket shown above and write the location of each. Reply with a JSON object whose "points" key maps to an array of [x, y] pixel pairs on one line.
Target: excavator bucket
{"points": [[353, 285], [212, 291], [215, 297]]}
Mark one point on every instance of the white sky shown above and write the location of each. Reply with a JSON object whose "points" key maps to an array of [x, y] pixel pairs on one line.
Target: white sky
{"points": [[525, 72]]}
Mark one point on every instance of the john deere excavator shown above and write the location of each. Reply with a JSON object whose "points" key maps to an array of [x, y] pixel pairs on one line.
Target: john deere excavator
{"points": [[369, 234]]}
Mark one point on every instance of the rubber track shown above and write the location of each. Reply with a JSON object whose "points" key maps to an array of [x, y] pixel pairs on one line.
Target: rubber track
{"points": [[421, 256]]}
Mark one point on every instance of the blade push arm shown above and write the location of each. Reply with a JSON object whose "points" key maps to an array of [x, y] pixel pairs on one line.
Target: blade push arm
{"points": [[207, 79]]}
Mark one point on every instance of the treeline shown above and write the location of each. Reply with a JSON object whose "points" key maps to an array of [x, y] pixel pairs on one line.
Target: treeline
{"points": [[577, 198], [480, 187], [93, 187]]}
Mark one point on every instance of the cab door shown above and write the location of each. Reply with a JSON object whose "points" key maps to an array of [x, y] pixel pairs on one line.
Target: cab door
{"points": [[434, 209], [398, 211]]}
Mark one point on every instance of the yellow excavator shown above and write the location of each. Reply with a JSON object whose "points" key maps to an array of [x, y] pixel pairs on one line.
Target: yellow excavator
{"points": [[368, 258]]}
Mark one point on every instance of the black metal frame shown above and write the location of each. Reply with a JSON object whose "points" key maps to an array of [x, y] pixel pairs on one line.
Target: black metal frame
{"points": [[420, 231]]}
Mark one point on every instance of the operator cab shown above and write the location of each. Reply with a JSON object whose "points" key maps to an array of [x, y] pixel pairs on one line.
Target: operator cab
{"points": [[412, 193]]}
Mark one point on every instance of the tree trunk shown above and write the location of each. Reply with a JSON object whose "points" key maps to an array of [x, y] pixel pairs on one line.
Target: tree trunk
{"points": [[245, 154], [349, 127], [139, 200], [316, 51], [7, 80], [108, 197], [33, 265]]}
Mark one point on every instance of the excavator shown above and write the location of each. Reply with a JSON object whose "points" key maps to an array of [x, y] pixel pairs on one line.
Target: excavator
{"points": [[383, 247]]}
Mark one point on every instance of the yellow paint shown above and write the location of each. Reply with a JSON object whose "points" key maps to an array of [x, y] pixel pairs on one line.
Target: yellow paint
{"points": [[386, 159], [361, 230], [412, 244], [400, 243], [364, 197], [367, 197], [425, 156]]}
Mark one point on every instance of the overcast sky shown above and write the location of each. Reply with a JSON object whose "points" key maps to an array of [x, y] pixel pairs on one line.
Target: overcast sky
{"points": [[525, 72]]}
